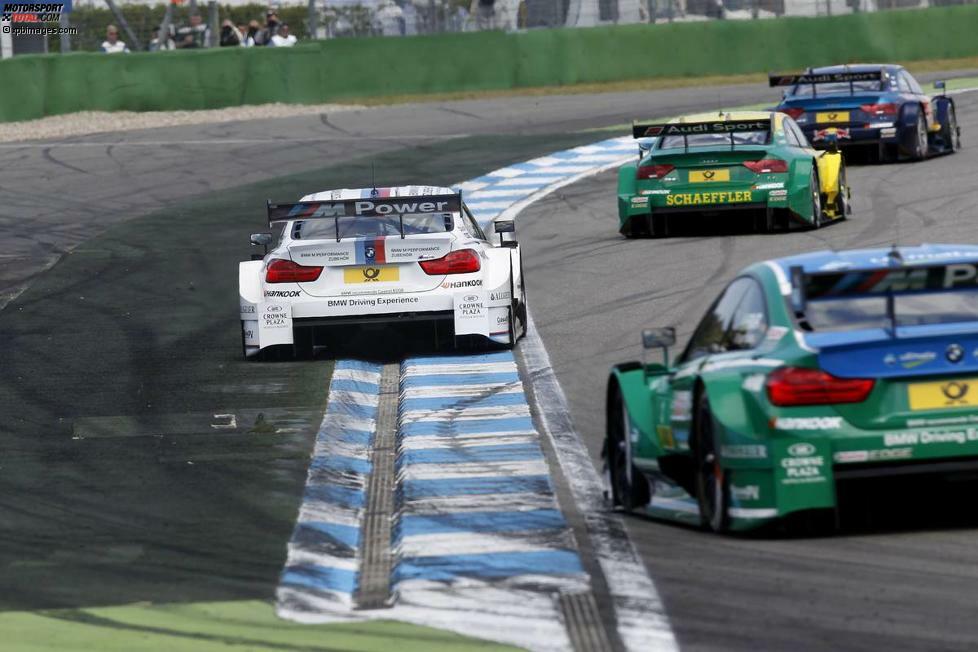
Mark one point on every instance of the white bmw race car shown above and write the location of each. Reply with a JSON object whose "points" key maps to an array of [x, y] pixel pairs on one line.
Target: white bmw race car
{"points": [[378, 256]]}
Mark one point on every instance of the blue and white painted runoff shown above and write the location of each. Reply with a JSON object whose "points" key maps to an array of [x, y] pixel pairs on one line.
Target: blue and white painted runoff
{"points": [[322, 566], [474, 492], [480, 545], [507, 190]]}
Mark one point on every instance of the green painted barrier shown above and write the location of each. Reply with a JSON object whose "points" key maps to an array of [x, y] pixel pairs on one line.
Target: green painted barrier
{"points": [[344, 69]]}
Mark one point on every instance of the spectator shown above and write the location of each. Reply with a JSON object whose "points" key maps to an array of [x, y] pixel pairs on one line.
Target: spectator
{"points": [[485, 14], [282, 39], [389, 20], [112, 44], [194, 35], [264, 37], [154, 42], [243, 30], [251, 36], [230, 35]]}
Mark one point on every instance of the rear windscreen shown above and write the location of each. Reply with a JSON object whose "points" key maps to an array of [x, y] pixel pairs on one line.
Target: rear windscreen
{"points": [[365, 227], [715, 140], [910, 309], [841, 88]]}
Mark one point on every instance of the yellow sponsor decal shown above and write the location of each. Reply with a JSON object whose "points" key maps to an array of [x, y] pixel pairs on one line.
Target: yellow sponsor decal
{"points": [[706, 198], [705, 176], [832, 116], [370, 274], [961, 392], [666, 440]]}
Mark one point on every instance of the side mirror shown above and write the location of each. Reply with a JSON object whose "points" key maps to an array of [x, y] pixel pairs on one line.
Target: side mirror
{"points": [[260, 240], [658, 338], [504, 226]]}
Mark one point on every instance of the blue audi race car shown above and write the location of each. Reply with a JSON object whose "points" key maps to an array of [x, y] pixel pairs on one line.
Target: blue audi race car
{"points": [[875, 106]]}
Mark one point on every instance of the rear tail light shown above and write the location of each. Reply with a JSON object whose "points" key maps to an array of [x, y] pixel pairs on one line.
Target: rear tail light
{"points": [[654, 171], [285, 271], [463, 261], [767, 165], [797, 386], [880, 109], [793, 112]]}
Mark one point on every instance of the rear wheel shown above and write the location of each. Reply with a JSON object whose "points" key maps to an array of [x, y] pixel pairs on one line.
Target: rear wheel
{"points": [[815, 190], [711, 481], [629, 487], [950, 132], [919, 151], [639, 226], [842, 207]]}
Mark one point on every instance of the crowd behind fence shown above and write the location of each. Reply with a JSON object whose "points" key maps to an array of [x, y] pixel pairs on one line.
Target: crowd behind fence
{"points": [[225, 25]]}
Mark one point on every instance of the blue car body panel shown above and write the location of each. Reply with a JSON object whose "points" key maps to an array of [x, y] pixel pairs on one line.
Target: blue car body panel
{"points": [[894, 132]]}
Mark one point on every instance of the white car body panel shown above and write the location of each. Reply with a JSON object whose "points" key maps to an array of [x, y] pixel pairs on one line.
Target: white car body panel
{"points": [[479, 303]]}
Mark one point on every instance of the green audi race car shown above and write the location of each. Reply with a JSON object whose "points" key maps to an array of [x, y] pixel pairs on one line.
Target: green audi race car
{"points": [[806, 373], [748, 162]]}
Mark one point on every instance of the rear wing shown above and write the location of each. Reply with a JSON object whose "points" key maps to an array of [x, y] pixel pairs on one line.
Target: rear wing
{"points": [[815, 79], [685, 129], [366, 207], [693, 128], [885, 282]]}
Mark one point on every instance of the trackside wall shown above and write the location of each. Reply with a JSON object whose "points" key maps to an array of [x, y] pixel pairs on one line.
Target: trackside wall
{"points": [[347, 69]]}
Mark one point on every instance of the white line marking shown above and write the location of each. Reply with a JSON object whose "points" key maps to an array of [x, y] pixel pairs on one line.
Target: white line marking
{"points": [[642, 621], [477, 543], [474, 470]]}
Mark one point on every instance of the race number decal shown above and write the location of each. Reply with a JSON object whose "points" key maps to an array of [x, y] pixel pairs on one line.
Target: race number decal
{"points": [[472, 313], [274, 323]]}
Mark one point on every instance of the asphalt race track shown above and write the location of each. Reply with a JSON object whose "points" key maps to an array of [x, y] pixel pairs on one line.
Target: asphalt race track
{"points": [[119, 485], [905, 583]]}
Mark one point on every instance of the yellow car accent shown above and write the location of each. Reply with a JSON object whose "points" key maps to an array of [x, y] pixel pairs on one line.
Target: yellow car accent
{"points": [[832, 117], [961, 392], [371, 274], [701, 198], [829, 171], [706, 176]]}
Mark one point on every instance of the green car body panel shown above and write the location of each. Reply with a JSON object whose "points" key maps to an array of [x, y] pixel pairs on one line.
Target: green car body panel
{"points": [[777, 459], [786, 194]]}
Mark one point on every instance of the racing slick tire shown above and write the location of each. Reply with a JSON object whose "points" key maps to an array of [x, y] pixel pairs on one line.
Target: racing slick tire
{"points": [[815, 190], [712, 484], [920, 142], [842, 207], [640, 226], [629, 488], [950, 132], [517, 311]]}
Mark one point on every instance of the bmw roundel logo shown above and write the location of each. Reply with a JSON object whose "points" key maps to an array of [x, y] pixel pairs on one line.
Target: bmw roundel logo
{"points": [[801, 449], [954, 353], [370, 252]]}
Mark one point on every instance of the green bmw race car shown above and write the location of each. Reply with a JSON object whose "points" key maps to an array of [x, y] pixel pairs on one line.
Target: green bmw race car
{"points": [[753, 162], [806, 373]]}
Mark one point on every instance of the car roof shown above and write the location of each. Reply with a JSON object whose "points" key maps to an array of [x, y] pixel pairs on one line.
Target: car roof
{"points": [[378, 192], [856, 67], [879, 258]]}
